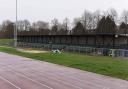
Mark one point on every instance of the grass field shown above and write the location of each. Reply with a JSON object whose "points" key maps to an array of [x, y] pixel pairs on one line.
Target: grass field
{"points": [[6, 41], [102, 65]]}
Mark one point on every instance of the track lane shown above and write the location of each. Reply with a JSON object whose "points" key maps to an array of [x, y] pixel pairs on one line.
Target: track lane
{"points": [[5, 84], [21, 82], [54, 76]]}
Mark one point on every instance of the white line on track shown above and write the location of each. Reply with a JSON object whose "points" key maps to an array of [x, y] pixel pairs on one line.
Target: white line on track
{"points": [[77, 87], [34, 80], [28, 79], [9, 82], [23, 75]]}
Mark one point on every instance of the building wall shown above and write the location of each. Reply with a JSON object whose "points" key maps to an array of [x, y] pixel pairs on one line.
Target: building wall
{"points": [[86, 40]]}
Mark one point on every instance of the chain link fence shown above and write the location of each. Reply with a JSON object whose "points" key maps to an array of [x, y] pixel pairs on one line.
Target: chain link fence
{"points": [[78, 49], [7, 42]]}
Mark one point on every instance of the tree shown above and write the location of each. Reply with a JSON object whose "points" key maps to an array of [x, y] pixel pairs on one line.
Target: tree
{"points": [[54, 30], [113, 14], [87, 20], [8, 29], [55, 22], [23, 25], [39, 25], [65, 24], [123, 28], [64, 27], [75, 21], [106, 26], [27, 25], [96, 18], [62, 31], [124, 17], [101, 25], [78, 29], [55, 26]]}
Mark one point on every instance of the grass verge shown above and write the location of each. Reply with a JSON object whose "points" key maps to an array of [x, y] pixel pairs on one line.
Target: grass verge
{"points": [[7, 42], [102, 65]]}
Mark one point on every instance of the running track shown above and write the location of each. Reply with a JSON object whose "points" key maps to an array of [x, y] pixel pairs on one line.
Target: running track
{"points": [[22, 73]]}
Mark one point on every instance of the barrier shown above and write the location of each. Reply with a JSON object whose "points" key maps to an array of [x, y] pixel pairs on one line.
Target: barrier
{"points": [[79, 49]]}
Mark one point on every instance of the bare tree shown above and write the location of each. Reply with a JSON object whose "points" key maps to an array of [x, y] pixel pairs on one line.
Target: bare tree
{"points": [[123, 28], [75, 21], [124, 17], [27, 25], [55, 26], [23, 25], [96, 18], [20, 25], [87, 20], [66, 24], [8, 28], [112, 12], [78, 29], [64, 27], [40, 25], [106, 26], [5, 24], [54, 22]]}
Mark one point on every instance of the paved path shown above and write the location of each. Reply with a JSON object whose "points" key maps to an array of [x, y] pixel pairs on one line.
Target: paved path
{"points": [[22, 73]]}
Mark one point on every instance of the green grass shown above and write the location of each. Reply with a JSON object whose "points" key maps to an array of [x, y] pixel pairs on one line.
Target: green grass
{"points": [[102, 65], [6, 41]]}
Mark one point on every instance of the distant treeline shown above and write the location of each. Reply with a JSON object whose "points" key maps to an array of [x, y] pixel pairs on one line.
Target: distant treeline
{"points": [[108, 22]]}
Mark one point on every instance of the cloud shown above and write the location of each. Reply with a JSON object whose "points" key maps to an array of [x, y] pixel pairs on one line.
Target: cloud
{"points": [[46, 10]]}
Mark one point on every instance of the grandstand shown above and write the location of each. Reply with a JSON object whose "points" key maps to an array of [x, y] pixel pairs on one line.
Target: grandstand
{"points": [[89, 43]]}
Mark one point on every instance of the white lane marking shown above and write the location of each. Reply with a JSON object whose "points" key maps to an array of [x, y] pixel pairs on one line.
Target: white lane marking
{"points": [[77, 87], [23, 75], [34, 80], [29, 79], [68, 84], [9, 82]]}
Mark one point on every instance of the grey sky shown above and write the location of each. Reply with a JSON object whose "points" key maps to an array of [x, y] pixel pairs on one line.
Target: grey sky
{"points": [[46, 10]]}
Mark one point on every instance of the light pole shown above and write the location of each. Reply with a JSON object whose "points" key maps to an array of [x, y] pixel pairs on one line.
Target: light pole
{"points": [[15, 30]]}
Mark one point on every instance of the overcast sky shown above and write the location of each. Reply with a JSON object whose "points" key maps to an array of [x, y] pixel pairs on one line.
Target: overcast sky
{"points": [[46, 10]]}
